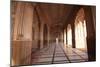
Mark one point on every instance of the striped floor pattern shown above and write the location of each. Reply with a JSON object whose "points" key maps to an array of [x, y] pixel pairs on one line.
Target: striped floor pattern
{"points": [[57, 53]]}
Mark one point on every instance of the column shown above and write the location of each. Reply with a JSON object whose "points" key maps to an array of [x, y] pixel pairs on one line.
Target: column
{"points": [[73, 35], [91, 41], [66, 37]]}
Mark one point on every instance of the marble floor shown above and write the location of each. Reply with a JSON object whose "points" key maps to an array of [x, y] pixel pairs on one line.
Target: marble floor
{"points": [[57, 54]]}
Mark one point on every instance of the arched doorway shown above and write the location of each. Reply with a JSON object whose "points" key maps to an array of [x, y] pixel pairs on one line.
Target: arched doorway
{"points": [[69, 35], [80, 30], [45, 32], [65, 36]]}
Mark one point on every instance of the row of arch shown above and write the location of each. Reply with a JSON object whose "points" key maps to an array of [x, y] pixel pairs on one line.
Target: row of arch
{"points": [[29, 33], [38, 28], [45, 36], [80, 35], [80, 32]]}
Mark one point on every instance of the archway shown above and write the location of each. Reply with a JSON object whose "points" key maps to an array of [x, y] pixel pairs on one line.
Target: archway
{"points": [[69, 35], [65, 36], [80, 30]]}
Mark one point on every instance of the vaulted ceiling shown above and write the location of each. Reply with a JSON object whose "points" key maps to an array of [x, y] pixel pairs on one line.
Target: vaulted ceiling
{"points": [[54, 14]]}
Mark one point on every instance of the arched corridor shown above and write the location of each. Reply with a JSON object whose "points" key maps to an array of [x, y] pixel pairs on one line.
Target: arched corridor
{"points": [[45, 33]]}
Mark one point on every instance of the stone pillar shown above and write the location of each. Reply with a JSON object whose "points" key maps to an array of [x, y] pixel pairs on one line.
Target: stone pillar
{"points": [[66, 36], [73, 34], [41, 36], [91, 37]]}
